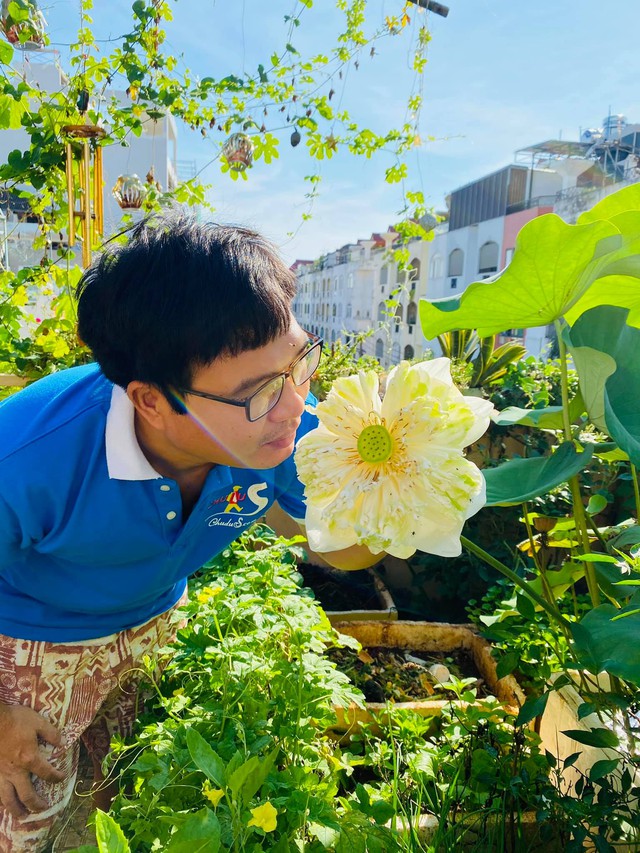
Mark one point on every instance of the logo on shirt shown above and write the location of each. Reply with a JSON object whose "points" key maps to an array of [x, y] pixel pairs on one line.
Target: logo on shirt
{"points": [[238, 505]]}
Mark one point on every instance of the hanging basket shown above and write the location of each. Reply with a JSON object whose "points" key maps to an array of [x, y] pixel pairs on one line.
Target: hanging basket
{"points": [[26, 32], [238, 152], [129, 192]]}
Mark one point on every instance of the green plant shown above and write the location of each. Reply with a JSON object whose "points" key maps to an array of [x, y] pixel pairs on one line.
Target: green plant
{"points": [[583, 278], [488, 364], [341, 359], [234, 755]]}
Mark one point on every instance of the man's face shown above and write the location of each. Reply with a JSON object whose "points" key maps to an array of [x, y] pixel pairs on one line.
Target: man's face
{"points": [[219, 433]]}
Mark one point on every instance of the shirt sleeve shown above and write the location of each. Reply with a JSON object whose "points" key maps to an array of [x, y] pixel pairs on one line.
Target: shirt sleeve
{"points": [[289, 490]]}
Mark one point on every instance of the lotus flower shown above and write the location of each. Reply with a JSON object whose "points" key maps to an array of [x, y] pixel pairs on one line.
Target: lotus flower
{"points": [[391, 474]]}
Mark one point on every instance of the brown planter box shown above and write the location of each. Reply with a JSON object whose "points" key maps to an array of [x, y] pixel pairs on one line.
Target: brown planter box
{"points": [[424, 637]]}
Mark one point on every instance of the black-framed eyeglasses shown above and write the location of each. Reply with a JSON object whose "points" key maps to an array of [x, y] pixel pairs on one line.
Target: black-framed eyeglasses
{"points": [[268, 395]]}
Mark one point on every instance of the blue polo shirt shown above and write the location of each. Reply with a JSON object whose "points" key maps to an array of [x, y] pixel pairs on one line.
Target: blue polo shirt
{"points": [[91, 536]]}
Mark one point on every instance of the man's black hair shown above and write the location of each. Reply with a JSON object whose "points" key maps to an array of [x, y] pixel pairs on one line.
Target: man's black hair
{"points": [[179, 294]]}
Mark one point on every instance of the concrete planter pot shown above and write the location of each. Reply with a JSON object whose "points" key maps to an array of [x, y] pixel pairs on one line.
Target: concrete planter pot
{"points": [[561, 715], [424, 637]]}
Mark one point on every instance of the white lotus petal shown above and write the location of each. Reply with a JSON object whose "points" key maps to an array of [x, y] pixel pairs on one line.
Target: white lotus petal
{"points": [[417, 497]]}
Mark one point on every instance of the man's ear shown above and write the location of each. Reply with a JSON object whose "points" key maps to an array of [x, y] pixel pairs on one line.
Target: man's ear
{"points": [[149, 402]]}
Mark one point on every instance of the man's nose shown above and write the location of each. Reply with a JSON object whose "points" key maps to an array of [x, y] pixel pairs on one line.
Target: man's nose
{"points": [[291, 403]]}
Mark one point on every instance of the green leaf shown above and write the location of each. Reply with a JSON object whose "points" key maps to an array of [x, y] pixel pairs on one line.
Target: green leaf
{"points": [[200, 833], [109, 836], [252, 774], [531, 709], [525, 607], [629, 536], [622, 201], [548, 418], [604, 645], [622, 291], [553, 266], [507, 663], [603, 768], [559, 580], [606, 353], [570, 760], [596, 504], [610, 452], [519, 480], [243, 774], [206, 758], [6, 53], [601, 738]]}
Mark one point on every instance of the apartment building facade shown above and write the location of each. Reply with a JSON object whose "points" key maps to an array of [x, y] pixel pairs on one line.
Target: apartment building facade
{"points": [[358, 292], [346, 292]]}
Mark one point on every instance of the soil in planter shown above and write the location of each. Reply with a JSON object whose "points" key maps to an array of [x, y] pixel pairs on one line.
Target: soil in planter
{"points": [[402, 675], [354, 591]]}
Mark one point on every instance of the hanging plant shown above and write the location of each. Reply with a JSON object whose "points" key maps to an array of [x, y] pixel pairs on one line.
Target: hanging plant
{"points": [[129, 192], [238, 152], [23, 24]]}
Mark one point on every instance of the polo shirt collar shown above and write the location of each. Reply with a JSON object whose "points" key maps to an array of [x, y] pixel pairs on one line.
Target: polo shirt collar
{"points": [[125, 459]]}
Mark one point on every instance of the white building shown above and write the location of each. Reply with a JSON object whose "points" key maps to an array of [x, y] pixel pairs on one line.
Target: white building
{"points": [[345, 292]]}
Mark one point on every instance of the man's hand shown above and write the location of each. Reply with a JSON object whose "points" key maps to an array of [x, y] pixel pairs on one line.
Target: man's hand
{"points": [[20, 756]]}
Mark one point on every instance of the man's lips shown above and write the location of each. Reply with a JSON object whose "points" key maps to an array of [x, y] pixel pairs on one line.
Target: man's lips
{"points": [[283, 440]]}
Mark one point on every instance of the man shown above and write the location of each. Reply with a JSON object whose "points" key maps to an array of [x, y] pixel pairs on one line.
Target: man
{"points": [[119, 479]]}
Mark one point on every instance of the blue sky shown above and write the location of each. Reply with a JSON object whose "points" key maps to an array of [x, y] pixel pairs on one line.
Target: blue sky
{"points": [[501, 74]]}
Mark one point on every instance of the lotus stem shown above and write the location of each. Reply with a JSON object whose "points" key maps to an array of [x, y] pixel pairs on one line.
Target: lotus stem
{"points": [[579, 515], [551, 610]]}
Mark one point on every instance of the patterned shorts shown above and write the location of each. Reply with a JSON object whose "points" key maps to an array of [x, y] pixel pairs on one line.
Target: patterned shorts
{"points": [[87, 690]]}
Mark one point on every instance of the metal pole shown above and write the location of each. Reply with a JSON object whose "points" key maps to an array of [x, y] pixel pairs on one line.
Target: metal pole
{"points": [[432, 6]]}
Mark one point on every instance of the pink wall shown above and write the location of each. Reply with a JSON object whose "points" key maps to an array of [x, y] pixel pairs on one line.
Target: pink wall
{"points": [[514, 222]]}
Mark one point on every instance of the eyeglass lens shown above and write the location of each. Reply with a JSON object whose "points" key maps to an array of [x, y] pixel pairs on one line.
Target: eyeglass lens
{"points": [[267, 397]]}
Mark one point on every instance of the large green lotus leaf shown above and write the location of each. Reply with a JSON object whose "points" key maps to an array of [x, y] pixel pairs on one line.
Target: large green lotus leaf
{"points": [[621, 201], [598, 339], [553, 266], [604, 645], [596, 367], [521, 480], [622, 291], [548, 418]]}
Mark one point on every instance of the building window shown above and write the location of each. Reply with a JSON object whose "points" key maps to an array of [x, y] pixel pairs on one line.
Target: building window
{"points": [[413, 273], [435, 268], [456, 263], [395, 354], [412, 313], [453, 283], [379, 349], [408, 351], [382, 312], [348, 311], [488, 258], [384, 275]]}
